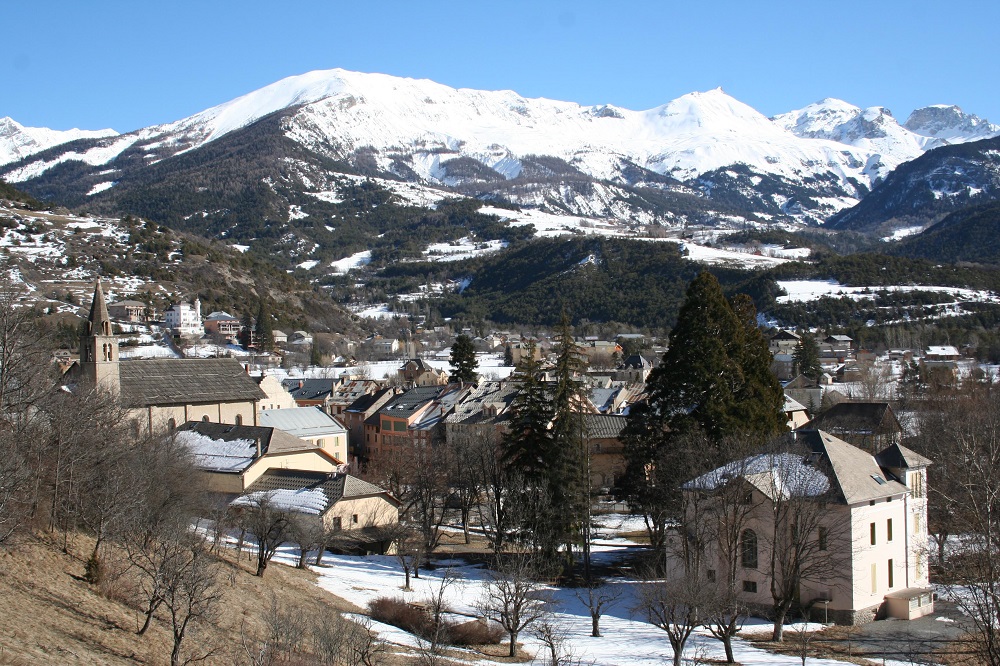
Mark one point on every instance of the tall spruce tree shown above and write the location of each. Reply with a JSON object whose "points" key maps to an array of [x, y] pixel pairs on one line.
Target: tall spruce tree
{"points": [[714, 381], [569, 477], [463, 360], [528, 447], [806, 357], [715, 375], [265, 329]]}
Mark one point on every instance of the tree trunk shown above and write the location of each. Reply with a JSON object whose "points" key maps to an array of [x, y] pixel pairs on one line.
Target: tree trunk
{"points": [[465, 525], [778, 634], [678, 653], [320, 553], [512, 652], [595, 625], [303, 553], [261, 563], [406, 570], [727, 642]]}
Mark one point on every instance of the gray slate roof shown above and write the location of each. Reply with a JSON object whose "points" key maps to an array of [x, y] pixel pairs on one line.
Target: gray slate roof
{"points": [[900, 457], [603, 426], [334, 486], [186, 381], [302, 421], [811, 463]]}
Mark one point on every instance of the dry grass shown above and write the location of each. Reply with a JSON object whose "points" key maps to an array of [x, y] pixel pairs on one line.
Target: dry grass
{"points": [[50, 615]]}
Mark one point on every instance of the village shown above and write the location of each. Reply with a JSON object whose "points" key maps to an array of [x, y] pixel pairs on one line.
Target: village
{"points": [[337, 444]]}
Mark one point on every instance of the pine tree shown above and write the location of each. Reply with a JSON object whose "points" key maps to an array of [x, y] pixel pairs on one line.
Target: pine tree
{"points": [[569, 478], [806, 357], [714, 381], [528, 442], [463, 360], [265, 330]]}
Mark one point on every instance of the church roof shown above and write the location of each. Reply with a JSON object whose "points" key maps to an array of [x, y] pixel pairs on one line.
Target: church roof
{"points": [[186, 381], [98, 313]]}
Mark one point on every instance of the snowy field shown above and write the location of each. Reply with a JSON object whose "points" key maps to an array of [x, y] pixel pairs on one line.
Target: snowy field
{"points": [[627, 639], [800, 291]]}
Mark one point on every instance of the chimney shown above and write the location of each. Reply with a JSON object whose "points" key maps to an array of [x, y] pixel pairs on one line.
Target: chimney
{"points": [[257, 442], [301, 383]]}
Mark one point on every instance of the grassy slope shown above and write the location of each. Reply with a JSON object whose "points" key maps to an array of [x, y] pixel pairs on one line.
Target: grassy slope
{"points": [[50, 616]]}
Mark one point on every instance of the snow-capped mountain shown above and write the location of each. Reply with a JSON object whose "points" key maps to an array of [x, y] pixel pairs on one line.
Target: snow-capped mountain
{"points": [[804, 165], [950, 124], [18, 142]]}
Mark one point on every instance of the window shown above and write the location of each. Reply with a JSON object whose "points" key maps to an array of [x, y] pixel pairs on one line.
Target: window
{"points": [[354, 519], [822, 538], [386, 424], [890, 573], [399, 426], [873, 533], [888, 530], [335, 524], [750, 586], [710, 575], [916, 523], [171, 425], [748, 549], [874, 578]]}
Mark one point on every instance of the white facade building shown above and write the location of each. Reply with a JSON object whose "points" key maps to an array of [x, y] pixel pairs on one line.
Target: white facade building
{"points": [[184, 318]]}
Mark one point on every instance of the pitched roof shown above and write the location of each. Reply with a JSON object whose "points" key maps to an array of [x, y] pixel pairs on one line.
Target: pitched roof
{"points": [[368, 400], [603, 426], [308, 492], [408, 403], [900, 457], [309, 389], [810, 463], [186, 381], [488, 401], [301, 421], [857, 418]]}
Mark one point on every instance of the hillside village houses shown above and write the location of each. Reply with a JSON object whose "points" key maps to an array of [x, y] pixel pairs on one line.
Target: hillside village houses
{"points": [[354, 421], [210, 405]]}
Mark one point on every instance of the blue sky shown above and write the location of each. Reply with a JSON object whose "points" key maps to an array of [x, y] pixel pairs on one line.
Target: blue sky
{"points": [[129, 64]]}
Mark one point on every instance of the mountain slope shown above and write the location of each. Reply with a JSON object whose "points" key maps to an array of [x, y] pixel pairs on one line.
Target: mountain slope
{"points": [[968, 235], [18, 142], [936, 183], [490, 144]]}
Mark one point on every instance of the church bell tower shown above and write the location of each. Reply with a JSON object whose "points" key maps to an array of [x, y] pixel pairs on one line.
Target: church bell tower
{"points": [[99, 348]]}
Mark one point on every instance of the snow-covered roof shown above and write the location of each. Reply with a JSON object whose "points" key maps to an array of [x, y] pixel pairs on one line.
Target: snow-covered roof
{"points": [[218, 455]]}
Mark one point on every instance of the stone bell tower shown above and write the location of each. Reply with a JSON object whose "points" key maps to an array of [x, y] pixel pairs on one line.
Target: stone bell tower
{"points": [[99, 348]]}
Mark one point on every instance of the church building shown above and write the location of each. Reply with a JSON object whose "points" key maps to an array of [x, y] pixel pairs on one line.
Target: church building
{"points": [[164, 393]]}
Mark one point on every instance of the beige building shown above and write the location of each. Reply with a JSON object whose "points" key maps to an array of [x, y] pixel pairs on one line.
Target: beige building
{"points": [[312, 425], [276, 396], [341, 502], [231, 458], [865, 555], [161, 393]]}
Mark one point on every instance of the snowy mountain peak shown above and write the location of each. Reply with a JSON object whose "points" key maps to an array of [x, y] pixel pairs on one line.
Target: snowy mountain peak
{"points": [[950, 123], [18, 141]]}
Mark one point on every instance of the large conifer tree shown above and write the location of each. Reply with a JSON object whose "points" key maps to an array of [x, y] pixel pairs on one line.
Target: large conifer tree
{"points": [[463, 360], [714, 381], [806, 357]]}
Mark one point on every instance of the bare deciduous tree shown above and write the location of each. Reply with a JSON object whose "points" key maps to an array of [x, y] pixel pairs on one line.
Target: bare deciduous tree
{"points": [[266, 523], [190, 594], [512, 599], [674, 605], [598, 598]]}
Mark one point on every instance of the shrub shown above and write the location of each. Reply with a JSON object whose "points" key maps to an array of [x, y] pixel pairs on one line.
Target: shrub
{"points": [[400, 614], [475, 632]]}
